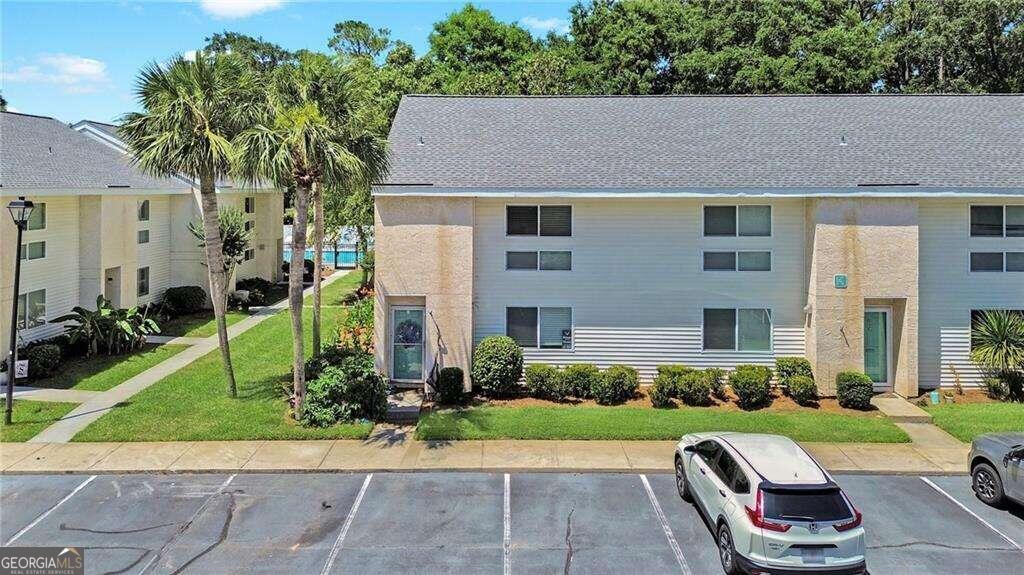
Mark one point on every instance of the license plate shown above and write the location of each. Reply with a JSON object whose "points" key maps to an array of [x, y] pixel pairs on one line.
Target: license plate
{"points": [[814, 555]]}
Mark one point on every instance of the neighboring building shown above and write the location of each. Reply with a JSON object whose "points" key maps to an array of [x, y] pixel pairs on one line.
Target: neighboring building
{"points": [[101, 226], [858, 231]]}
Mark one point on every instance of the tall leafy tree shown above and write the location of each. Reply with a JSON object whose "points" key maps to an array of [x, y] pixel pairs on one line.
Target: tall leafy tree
{"points": [[191, 111], [261, 55], [357, 39]]}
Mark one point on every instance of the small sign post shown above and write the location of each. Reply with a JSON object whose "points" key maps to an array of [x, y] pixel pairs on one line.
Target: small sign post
{"points": [[21, 369], [566, 339], [840, 281]]}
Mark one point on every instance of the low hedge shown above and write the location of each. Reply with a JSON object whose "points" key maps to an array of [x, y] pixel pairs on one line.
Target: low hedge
{"points": [[854, 390], [544, 381], [184, 300], [43, 360], [752, 386], [579, 380], [497, 365], [694, 388], [802, 389], [450, 386], [616, 384]]}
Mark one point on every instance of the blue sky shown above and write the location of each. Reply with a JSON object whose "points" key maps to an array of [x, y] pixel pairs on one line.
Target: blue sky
{"points": [[78, 60]]}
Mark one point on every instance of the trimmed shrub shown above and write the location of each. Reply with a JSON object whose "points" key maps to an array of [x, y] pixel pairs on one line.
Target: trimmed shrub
{"points": [[751, 384], [694, 388], [184, 300], [544, 381], [716, 379], [995, 388], [449, 386], [255, 283], [803, 390], [330, 354], [497, 365], [662, 392], [854, 389], [348, 391], [580, 379], [616, 384], [674, 371], [43, 360], [788, 367]]}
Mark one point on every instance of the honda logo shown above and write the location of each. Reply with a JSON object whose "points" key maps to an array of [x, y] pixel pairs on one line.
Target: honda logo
{"points": [[812, 527]]}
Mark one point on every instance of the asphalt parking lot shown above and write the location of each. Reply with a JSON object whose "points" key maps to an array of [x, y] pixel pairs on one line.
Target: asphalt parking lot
{"points": [[462, 522]]}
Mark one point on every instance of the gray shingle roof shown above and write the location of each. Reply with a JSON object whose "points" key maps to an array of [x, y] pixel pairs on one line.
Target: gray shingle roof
{"points": [[630, 143], [43, 153]]}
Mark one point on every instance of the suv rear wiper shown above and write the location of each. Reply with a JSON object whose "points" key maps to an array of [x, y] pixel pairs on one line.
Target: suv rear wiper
{"points": [[798, 517]]}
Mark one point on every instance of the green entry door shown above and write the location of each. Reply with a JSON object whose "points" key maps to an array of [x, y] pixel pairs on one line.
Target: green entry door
{"points": [[876, 344], [407, 343]]}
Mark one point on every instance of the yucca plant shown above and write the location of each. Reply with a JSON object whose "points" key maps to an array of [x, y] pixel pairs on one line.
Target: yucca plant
{"points": [[997, 346]]}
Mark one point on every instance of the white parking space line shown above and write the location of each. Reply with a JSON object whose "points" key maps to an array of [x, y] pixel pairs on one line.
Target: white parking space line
{"points": [[973, 514], [506, 541], [344, 529], [665, 526], [44, 514]]}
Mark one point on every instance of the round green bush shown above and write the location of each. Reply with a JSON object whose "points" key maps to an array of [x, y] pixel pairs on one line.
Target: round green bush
{"points": [[450, 387], [616, 384], [184, 300], [497, 365], [854, 390], [802, 389], [716, 379], [579, 380], [544, 381], [350, 390], [43, 360], [662, 392], [788, 367], [694, 389], [752, 386]]}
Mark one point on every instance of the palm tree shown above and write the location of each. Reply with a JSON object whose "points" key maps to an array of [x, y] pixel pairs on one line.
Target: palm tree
{"points": [[300, 144], [192, 109]]}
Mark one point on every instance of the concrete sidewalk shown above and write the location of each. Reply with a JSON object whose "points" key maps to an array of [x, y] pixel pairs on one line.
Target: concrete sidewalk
{"points": [[394, 451]]}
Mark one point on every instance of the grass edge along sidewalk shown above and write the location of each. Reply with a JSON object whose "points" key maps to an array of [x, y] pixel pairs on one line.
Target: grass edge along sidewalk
{"points": [[965, 421], [631, 423], [30, 417], [192, 404]]}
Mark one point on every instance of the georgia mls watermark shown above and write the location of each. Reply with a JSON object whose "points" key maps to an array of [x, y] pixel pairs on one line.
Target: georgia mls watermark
{"points": [[42, 561]]}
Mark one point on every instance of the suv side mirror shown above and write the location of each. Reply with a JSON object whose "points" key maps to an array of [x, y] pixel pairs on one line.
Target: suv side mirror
{"points": [[689, 449], [1015, 455]]}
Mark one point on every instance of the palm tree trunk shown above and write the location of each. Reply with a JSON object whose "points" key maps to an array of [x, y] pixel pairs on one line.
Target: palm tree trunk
{"points": [[215, 267], [361, 244], [295, 272], [318, 261]]}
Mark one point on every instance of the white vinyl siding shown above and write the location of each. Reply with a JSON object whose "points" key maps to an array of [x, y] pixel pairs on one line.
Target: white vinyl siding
{"points": [[156, 254], [949, 290], [637, 290], [57, 272]]}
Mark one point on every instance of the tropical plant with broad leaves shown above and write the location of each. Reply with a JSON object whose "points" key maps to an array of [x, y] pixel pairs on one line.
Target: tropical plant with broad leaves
{"points": [[87, 325], [997, 346], [118, 330]]}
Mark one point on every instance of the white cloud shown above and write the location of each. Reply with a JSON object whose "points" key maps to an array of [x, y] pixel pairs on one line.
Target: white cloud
{"points": [[545, 25], [75, 74], [189, 55], [230, 9]]}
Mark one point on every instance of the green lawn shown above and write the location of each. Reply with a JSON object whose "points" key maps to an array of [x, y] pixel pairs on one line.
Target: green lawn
{"points": [[31, 417], [192, 404], [102, 372], [640, 423], [966, 421], [199, 324]]}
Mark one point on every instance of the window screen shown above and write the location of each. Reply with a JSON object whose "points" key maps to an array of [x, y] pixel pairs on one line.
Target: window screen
{"points": [[520, 260], [1015, 221], [144, 211], [719, 261], [143, 236], [143, 281], [1015, 261], [556, 220], [32, 305], [719, 220], [554, 320], [755, 220], [556, 260], [37, 219], [755, 330], [719, 329], [33, 250], [521, 220], [521, 325], [754, 261], [986, 261], [986, 220]]}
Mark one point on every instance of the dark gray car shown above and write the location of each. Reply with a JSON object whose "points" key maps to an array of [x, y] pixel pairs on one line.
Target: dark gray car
{"points": [[997, 467]]}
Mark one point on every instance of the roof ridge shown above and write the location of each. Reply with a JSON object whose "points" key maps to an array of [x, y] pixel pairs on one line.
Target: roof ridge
{"points": [[686, 96], [27, 115]]}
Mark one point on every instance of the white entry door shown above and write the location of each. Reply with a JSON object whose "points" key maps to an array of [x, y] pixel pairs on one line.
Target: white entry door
{"points": [[407, 343]]}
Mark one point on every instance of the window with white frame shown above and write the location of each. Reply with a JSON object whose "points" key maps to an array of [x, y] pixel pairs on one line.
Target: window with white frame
{"points": [[249, 254], [143, 283], [250, 205], [143, 236], [542, 260], [32, 309], [744, 221], [997, 261], [538, 220], [33, 251], [744, 261], [249, 225], [997, 221], [543, 327], [144, 211], [37, 219], [737, 329]]}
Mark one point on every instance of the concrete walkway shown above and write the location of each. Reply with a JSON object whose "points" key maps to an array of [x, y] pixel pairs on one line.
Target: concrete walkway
{"points": [[58, 395], [392, 449], [96, 406]]}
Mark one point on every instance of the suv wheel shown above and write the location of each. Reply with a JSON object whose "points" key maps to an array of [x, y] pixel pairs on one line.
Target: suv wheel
{"points": [[726, 551], [986, 484], [682, 485]]}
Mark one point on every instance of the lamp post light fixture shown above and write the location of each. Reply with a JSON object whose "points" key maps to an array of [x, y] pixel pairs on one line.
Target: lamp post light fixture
{"points": [[20, 210]]}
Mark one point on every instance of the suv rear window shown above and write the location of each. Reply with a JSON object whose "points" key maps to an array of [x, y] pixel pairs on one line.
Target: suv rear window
{"points": [[804, 505]]}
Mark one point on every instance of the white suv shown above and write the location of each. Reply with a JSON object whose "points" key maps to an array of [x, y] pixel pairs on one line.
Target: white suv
{"points": [[772, 507]]}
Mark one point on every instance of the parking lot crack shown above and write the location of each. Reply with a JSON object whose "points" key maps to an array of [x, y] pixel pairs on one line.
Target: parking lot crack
{"points": [[131, 565], [228, 518], [942, 545], [568, 540], [65, 527]]}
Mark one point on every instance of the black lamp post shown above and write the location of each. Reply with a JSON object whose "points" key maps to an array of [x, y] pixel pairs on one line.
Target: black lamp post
{"points": [[20, 210]]}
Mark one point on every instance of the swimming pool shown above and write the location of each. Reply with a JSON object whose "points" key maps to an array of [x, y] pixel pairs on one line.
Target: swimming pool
{"points": [[343, 258]]}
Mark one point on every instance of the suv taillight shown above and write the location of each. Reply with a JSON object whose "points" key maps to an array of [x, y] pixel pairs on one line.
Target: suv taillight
{"points": [[756, 516], [855, 522]]}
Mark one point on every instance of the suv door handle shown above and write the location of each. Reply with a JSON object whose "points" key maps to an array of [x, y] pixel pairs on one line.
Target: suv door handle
{"points": [[702, 472], [722, 493]]}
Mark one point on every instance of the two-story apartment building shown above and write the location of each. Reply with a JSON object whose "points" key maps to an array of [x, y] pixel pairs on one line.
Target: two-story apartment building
{"points": [[858, 231], [101, 226]]}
